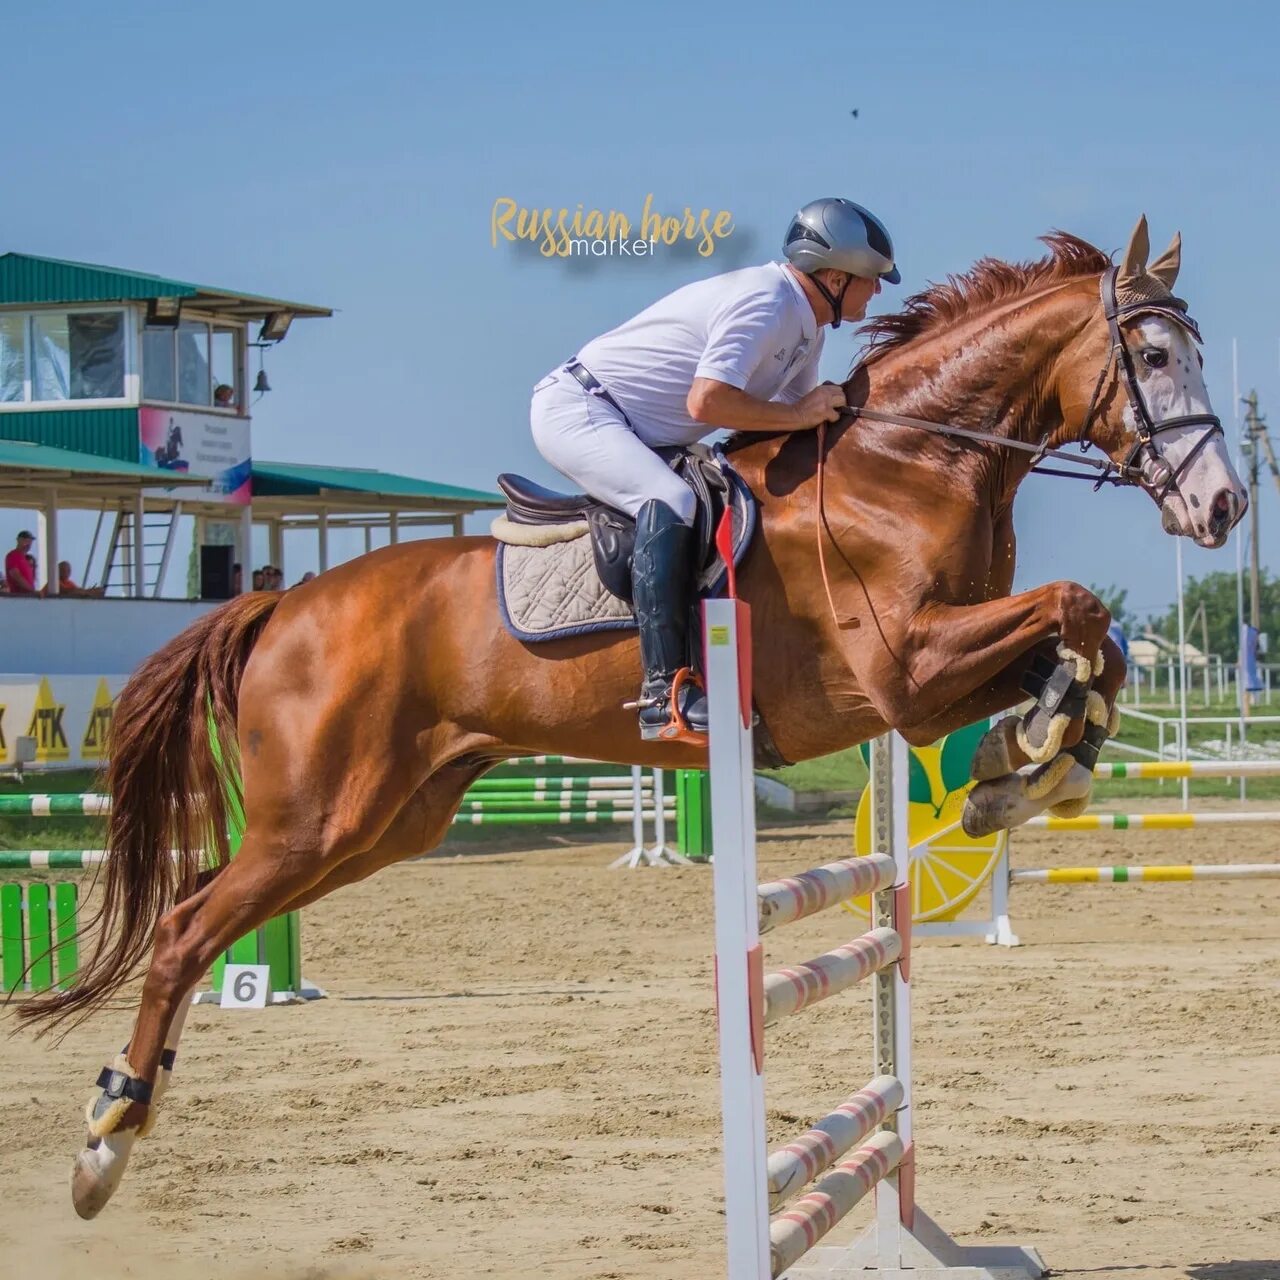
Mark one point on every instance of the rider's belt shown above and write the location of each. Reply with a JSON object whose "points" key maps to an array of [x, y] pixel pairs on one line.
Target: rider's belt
{"points": [[593, 386]]}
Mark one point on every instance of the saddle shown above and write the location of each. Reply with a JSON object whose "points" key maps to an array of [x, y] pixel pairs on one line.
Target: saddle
{"points": [[538, 516]]}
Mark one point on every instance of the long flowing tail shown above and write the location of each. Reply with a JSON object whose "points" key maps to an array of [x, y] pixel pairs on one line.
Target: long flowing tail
{"points": [[173, 777]]}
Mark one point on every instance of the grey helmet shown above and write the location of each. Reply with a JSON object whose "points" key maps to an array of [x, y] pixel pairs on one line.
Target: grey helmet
{"points": [[834, 232]]}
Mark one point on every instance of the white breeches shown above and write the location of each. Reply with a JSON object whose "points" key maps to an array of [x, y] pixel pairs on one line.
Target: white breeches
{"points": [[586, 439]]}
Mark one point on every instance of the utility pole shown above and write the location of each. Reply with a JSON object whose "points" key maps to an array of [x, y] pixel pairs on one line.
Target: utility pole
{"points": [[1255, 445]]}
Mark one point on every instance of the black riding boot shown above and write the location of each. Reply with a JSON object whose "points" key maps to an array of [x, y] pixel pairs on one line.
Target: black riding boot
{"points": [[662, 590]]}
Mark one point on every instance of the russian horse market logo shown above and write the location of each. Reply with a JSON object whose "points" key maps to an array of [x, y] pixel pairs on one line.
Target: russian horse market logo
{"points": [[607, 233]]}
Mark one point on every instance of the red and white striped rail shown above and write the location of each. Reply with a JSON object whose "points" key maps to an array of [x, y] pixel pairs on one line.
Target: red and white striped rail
{"points": [[866, 1142]]}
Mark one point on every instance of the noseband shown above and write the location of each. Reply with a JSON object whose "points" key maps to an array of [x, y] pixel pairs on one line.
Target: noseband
{"points": [[1145, 454]]}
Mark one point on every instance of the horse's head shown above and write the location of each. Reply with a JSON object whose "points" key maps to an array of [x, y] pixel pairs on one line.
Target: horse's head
{"points": [[1135, 387]]}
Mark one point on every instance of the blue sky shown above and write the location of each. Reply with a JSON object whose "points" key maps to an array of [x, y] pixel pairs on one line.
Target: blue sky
{"points": [[350, 156]]}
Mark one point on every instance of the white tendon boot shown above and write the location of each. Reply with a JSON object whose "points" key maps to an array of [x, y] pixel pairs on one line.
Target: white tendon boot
{"points": [[100, 1165]]}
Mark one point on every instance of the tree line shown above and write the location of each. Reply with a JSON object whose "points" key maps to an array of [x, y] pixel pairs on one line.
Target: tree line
{"points": [[1217, 592]]}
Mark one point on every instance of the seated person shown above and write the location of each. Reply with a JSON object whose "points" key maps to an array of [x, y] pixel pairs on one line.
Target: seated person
{"points": [[20, 567], [67, 587]]}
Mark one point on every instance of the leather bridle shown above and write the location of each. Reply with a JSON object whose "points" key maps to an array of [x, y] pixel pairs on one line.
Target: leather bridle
{"points": [[1153, 470], [1146, 466]]}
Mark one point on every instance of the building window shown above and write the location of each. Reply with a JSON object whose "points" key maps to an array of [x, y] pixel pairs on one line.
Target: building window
{"points": [[77, 355], [194, 386], [159, 370], [224, 367], [13, 358], [51, 356], [195, 364]]}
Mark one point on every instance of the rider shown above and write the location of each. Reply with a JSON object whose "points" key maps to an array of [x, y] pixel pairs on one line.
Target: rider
{"points": [[739, 351]]}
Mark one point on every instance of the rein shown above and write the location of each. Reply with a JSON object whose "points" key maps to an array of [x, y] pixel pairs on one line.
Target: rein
{"points": [[1109, 472]]}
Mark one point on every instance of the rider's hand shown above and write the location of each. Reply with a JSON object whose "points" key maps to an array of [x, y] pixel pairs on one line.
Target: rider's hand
{"points": [[822, 404]]}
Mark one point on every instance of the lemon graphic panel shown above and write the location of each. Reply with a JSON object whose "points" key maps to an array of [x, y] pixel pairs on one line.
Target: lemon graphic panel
{"points": [[948, 868]]}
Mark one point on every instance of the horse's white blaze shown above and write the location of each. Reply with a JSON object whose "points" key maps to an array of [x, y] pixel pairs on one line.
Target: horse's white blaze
{"points": [[1174, 391]]}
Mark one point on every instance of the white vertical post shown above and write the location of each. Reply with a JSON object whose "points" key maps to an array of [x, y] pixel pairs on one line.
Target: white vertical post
{"points": [[1182, 670], [891, 1025], [170, 535], [244, 545], [1002, 933], [637, 812], [50, 549], [322, 527], [139, 546], [276, 534], [1238, 538], [739, 960], [659, 818], [393, 524]]}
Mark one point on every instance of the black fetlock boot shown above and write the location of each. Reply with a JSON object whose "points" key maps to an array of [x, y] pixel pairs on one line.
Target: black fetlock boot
{"points": [[662, 587]]}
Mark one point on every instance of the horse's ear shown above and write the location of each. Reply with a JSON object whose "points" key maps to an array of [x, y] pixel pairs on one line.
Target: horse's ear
{"points": [[1165, 267], [1135, 256]]}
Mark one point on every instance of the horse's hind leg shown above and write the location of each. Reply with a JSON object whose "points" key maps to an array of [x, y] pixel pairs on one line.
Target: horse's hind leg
{"points": [[249, 891], [418, 828], [252, 888]]}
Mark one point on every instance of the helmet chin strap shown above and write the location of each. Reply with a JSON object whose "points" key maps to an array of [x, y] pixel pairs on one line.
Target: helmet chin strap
{"points": [[834, 300]]}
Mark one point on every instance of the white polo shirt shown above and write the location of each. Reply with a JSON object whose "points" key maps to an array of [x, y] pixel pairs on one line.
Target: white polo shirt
{"points": [[753, 329]]}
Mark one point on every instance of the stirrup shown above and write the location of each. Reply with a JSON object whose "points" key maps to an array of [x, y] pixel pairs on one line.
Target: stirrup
{"points": [[677, 727]]}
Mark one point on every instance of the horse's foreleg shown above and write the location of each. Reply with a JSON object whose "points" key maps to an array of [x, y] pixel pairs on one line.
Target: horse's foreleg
{"points": [[955, 663], [1102, 719], [945, 654], [1006, 798]]}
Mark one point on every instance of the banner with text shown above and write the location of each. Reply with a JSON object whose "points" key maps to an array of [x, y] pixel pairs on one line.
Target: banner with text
{"points": [[68, 717], [212, 445]]}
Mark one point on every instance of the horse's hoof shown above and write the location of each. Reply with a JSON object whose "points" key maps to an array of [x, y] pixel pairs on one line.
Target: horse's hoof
{"points": [[991, 759], [97, 1173], [992, 806]]}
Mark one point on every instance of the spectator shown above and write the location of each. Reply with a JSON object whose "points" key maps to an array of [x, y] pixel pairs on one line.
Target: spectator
{"points": [[224, 396], [66, 587], [259, 579], [20, 567], [306, 577], [275, 581], [237, 579]]}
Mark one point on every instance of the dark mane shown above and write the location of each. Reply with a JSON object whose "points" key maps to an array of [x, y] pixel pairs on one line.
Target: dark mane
{"points": [[988, 282]]}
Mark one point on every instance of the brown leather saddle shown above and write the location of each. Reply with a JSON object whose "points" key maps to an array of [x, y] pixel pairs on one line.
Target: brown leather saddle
{"points": [[704, 468]]}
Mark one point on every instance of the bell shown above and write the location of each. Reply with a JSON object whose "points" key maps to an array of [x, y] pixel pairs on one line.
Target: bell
{"points": [[261, 385]]}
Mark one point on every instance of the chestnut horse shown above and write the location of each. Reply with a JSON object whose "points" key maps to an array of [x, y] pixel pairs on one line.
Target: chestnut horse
{"points": [[358, 708]]}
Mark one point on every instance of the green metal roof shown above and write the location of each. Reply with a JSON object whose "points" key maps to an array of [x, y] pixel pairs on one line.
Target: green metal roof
{"points": [[296, 479], [29, 280], [51, 464]]}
